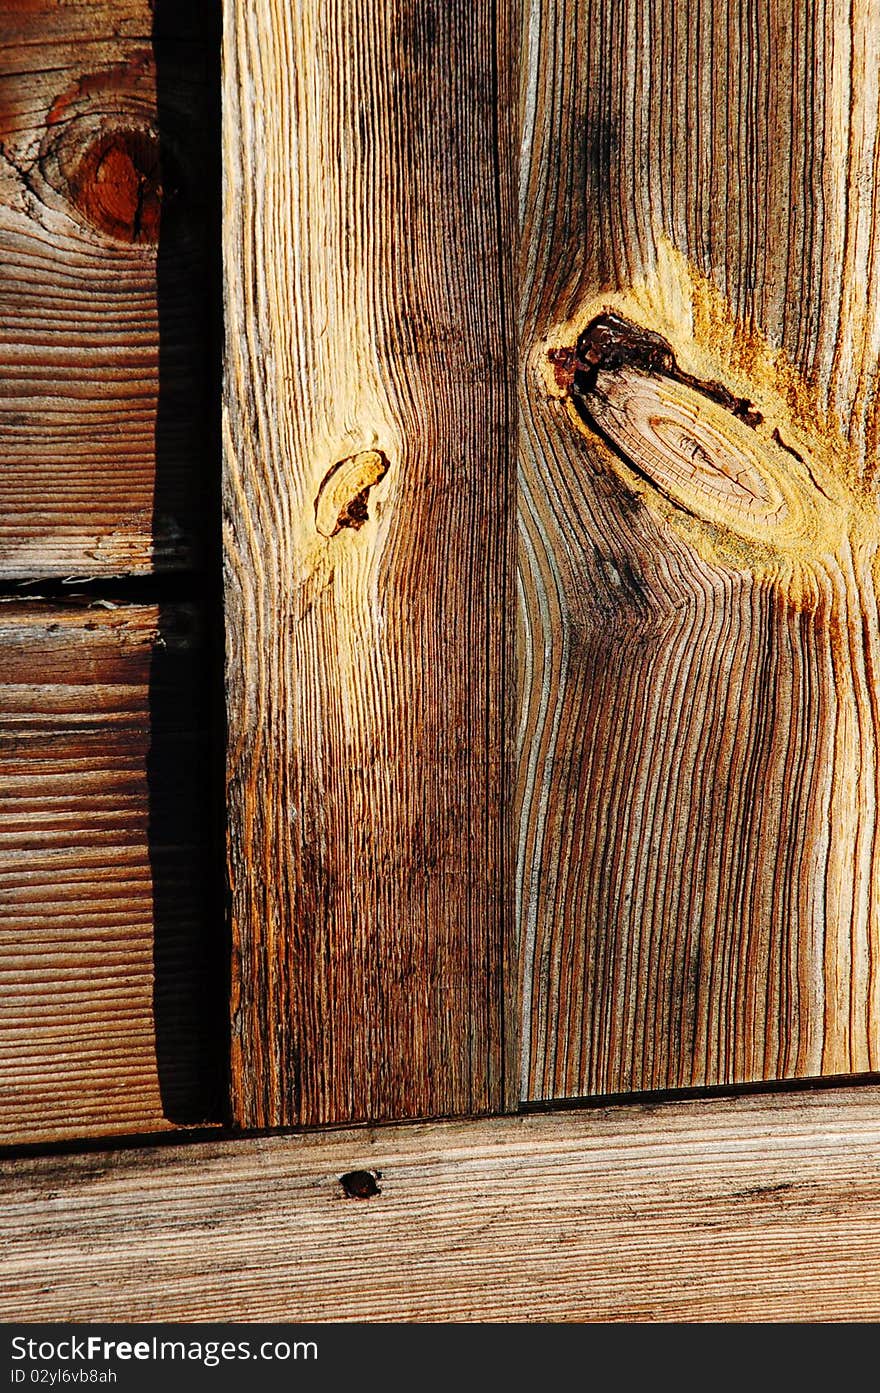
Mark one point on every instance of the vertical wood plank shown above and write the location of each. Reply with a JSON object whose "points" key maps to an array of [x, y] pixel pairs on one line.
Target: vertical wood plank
{"points": [[368, 540], [698, 868]]}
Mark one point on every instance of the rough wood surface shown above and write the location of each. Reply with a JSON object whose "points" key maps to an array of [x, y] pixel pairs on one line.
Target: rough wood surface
{"points": [[110, 1013], [107, 176], [758, 1209], [369, 540], [698, 864]]}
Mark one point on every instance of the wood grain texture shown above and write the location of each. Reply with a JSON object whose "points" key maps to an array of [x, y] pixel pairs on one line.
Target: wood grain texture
{"points": [[759, 1209], [369, 544], [110, 1000], [698, 873], [107, 170]]}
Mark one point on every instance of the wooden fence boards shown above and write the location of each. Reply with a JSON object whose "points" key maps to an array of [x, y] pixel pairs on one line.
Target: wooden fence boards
{"points": [[698, 773], [109, 976], [369, 523], [695, 330]]}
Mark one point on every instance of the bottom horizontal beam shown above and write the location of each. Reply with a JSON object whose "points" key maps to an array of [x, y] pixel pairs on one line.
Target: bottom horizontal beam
{"points": [[755, 1208]]}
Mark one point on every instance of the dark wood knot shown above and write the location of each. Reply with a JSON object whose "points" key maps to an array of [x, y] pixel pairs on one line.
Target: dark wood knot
{"points": [[117, 184]]}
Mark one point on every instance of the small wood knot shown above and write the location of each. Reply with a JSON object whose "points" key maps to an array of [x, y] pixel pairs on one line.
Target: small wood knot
{"points": [[117, 184], [360, 1185], [344, 493]]}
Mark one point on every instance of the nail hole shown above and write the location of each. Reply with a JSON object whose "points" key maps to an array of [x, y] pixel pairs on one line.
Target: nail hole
{"points": [[360, 1185]]}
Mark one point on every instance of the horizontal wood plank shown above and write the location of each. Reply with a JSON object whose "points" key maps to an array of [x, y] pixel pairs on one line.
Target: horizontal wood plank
{"points": [[754, 1209], [108, 185], [112, 1007], [368, 496]]}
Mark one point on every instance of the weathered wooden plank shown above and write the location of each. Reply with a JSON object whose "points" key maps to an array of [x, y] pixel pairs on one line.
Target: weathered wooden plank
{"points": [[763, 1208], [112, 1016], [698, 852], [369, 528], [108, 241]]}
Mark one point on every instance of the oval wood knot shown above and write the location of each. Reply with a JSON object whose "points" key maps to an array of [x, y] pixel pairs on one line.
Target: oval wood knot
{"points": [[342, 499], [686, 448], [361, 1185], [117, 184], [708, 451]]}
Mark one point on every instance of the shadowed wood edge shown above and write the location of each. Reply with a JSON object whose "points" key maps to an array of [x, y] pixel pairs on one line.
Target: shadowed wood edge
{"points": [[754, 1208]]}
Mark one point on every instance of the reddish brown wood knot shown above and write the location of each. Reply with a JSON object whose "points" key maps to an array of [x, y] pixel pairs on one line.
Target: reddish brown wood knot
{"points": [[116, 184], [343, 498], [360, 1185]]}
